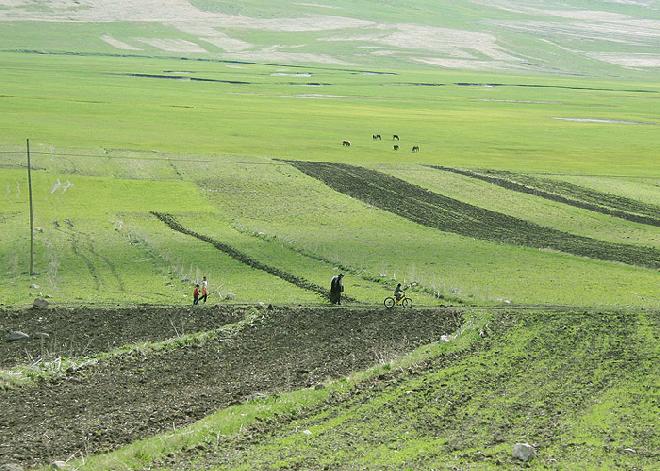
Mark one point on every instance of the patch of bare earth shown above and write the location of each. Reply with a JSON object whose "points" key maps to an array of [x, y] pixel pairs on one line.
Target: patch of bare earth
{"points": [[629, 60], [605, 121], [116, 43], [172, 45]]}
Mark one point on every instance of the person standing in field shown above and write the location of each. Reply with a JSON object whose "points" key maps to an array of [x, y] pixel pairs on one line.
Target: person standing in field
{"points": [[196, 295], [205, 292], [336, 288]]}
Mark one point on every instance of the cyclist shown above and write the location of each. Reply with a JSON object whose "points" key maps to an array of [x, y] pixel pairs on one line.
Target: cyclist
{"points": [[398, 293]]}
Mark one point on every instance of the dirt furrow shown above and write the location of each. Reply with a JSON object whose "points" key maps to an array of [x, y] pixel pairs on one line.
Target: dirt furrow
{"points": [[246, 259], [88, 331], [134, 396], [574, 195], [447, 214]]}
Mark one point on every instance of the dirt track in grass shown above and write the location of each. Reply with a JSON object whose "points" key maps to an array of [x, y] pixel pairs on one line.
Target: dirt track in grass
{"points": [[137, 395], [447, 214]]}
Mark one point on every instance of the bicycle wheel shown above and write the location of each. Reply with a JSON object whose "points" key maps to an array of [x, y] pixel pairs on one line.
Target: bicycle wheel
{"points": [[389, 303], [407, 302]]}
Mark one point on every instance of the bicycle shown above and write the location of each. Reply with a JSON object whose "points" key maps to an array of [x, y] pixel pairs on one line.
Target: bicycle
{"points": [[404, 301]]}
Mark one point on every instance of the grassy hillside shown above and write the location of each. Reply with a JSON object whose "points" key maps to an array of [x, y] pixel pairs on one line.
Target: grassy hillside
{"points": [[176, 139], [113, 148], [589, 38]]}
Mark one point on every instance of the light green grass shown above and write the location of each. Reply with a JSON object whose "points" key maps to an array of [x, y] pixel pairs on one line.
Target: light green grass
{"points": [[123, 125]]}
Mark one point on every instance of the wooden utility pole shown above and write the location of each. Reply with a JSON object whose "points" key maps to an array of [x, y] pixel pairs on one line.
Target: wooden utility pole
{"points": [[29, 169]]}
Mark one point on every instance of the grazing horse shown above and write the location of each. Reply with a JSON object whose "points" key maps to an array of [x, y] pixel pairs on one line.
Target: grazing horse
{"points": [[415, 149], [346, 143], [395, 137], [376, 137], [396, 147]]}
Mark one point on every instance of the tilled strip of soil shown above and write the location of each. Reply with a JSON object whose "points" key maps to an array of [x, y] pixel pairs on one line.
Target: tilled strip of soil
{"points": [[567, 193], [447, 214], [88, 331], [134, 396], [246, 259]]}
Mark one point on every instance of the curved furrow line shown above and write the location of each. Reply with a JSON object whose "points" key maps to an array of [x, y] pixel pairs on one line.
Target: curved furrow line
{"points": [[574, 195], [246, 259], [447, 214]]}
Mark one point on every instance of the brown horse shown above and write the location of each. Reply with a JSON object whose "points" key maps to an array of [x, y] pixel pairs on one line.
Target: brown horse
{"points": [[415, 149], [376, 137], [346, 143], [395, 137], [396, 147]]}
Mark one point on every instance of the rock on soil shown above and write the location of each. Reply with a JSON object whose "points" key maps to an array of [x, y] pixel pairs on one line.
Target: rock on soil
{"points": [[16, 335], [40, 303], [523, 451]]}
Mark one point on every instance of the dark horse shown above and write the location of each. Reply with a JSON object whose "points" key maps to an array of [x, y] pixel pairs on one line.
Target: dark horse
{"points": [[396, 147], [376, 137], [395, 137], [346, 143], [415, 149]]}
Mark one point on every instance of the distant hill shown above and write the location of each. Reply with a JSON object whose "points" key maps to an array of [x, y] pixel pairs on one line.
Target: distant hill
{"points": [[596, 38]]}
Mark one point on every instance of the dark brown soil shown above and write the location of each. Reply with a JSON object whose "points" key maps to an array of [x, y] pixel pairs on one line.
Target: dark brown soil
{"points": [[85, 331], [136, 396]]}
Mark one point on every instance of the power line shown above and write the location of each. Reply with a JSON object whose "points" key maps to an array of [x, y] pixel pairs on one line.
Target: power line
{"points": [[66, 154]]}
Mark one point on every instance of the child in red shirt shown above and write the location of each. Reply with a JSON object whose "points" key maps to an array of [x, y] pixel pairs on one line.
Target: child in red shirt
{"points": [[196, 295]]}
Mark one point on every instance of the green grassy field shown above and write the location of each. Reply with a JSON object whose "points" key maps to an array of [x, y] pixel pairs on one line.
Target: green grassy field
{"points": [[122, 146], [204, 138]]}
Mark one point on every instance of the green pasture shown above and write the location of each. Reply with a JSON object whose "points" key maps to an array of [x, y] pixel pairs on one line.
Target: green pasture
{"points": [[85, 102], [108, 148]]}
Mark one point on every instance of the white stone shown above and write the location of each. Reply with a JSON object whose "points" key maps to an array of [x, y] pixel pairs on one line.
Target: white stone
{"points": [[16, 335], [523, 451], [40, 303]]}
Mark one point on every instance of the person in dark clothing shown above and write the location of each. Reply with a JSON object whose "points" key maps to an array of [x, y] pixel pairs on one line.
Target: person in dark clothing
{"points": [[398, 292], [196, 295], [336, 288]]}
